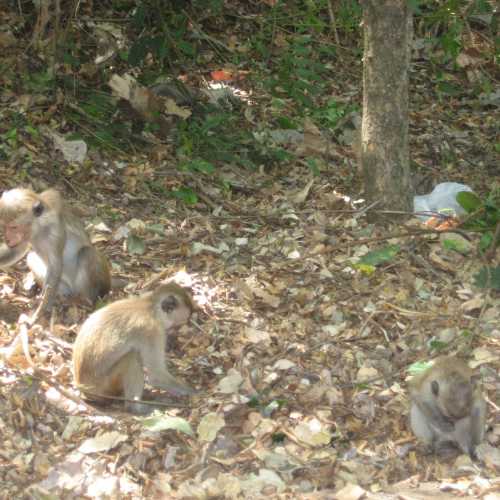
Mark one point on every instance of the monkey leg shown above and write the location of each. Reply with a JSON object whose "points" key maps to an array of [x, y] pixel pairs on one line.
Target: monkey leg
{"points": [[125, 379], [478, 420], [92, 275], [446, 449], [133, 383], [420, 427], [464, 436], [51, 283], [39, 269], [442, 442]]}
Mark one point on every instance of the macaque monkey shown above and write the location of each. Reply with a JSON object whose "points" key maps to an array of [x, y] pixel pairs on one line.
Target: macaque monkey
{"points": [[62, 259], [447, 406], [118, 341]]}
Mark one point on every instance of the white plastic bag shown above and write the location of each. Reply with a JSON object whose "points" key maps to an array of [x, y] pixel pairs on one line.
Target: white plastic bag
{"points": [[442, 199]]}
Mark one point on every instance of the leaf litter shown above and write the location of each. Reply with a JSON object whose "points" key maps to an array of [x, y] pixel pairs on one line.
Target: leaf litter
{"points": [[302, 362], [309, 318]]}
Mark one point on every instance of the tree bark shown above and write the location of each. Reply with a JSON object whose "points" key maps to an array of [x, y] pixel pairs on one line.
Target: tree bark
{"points": [[384, 142]]}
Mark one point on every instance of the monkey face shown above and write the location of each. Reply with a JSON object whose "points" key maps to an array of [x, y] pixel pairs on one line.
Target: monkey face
{"points": [[176, 310], [15, 234], [173, 305], [458, 402], [171, 311], [462, 400], [16, 213]]}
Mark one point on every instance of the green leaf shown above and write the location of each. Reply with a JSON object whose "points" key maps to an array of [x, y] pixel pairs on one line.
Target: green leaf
{"points": [[362, 386], [201, 166], [254, 402], [187, 48], [419, 367], [135, 245], [270, 408], [139, 16], [156, 229], [160, 423], [278, 437], [32, 130], [437, 345], [414, 6], [367, 269], [313, 166], [286, 123], [468, 201], [488, 278], [138, 51], [485, 241], [158, 46], [460, 246], [466, 334], [187, 195], [10, 134], [379, 256], [448, 88]]}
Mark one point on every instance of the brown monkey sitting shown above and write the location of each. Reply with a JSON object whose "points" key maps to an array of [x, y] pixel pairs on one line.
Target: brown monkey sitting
{"points": [[117, 342], [62, 259], [447, 406]]}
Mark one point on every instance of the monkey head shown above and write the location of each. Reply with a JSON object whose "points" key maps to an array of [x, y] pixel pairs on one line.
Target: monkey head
{"points": [[172, 304], [454, 395], [18, 209]]}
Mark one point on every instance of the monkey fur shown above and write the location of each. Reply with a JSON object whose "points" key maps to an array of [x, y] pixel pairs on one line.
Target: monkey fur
{"points": [[63, 259], [447, 406], [117, 342]]}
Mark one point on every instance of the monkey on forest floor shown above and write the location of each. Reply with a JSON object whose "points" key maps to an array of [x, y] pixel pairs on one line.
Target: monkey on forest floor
{"points": [[117, 342], [63, 259], [447, 406]]}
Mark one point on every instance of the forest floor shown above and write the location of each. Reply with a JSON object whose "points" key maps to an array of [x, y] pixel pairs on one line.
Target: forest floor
{"points": [[300, 353]]}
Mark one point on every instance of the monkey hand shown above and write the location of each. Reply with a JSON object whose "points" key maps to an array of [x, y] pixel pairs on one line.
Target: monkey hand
{"points": [[168, 382], [36, 316], [31, 320], [177, 388], [444, 424], [183, 390]]}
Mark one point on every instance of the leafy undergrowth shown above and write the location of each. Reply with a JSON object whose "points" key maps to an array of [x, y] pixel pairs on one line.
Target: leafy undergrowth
{"points": [[308, 315]]}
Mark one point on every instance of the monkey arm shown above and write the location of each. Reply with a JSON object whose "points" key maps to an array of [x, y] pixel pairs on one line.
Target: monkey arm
{"points": [[159, 376], [169, 383], [50, 287], [478, 418], [435, 417], [92, 277], [9, 256]]}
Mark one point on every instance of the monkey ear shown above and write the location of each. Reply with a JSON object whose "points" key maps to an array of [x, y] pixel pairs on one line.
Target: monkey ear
{"points": [[169, 303], [37, 208], [435, 387]]}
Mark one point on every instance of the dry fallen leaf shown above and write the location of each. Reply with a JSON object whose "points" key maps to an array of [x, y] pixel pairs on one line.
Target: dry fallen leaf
{"points": [[103, 442], [210, 425], [230, 383], [350, 492], [313, 433]]}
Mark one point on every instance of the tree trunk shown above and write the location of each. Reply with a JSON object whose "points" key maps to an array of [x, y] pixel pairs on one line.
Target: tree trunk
{"points": [[384, 141]]}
